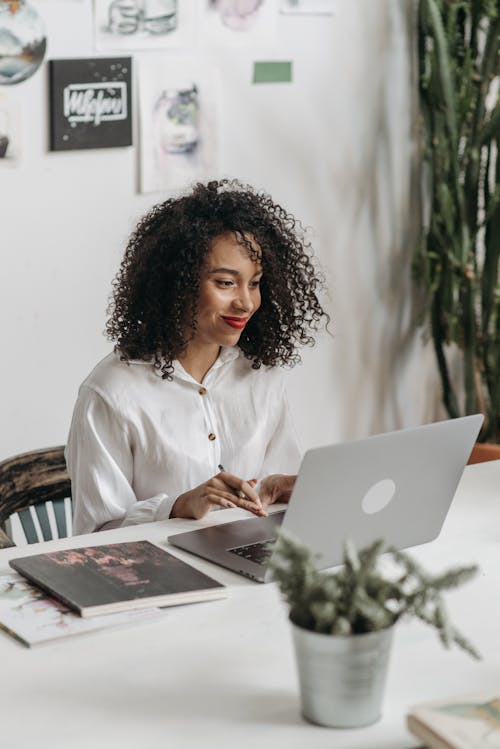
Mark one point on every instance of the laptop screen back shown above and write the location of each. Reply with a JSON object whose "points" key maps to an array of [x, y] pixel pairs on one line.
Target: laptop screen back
{"points": [[396, 486]]}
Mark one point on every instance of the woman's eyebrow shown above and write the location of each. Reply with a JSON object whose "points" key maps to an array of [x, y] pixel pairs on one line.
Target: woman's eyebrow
{"points": [[232, 271], [224, 270]]}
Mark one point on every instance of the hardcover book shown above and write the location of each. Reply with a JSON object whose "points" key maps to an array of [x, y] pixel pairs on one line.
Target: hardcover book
{"points": [[95, 580], [33, 618], [468, 722]]}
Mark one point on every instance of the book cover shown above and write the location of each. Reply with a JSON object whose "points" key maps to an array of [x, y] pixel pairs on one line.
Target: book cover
{"points": [[468, 722], [33, 618], [96, 580]]}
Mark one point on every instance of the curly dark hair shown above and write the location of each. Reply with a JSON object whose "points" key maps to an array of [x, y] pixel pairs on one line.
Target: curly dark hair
{"points": [[155, 292]]}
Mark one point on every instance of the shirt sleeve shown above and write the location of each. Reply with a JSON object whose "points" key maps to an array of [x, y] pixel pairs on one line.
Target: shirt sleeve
{"points": [[100, 464], [283, 453]]}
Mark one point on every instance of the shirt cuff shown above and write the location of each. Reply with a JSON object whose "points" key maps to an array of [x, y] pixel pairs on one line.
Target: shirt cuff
{"points": [[144, 511], [164, 508]]}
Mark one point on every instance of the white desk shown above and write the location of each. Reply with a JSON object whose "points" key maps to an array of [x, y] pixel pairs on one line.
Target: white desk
{"points": [[222, 674]]}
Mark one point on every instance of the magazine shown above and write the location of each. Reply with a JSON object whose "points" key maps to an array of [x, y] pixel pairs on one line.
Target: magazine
{"points": [[96, 580], [33, 618], [464, 722]]}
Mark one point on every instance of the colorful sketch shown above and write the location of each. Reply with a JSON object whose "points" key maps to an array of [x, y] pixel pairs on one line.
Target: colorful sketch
{"points": [[469, 721], [485, 715], [308, 7], [32, 617], [224, 22], [239, 15], [22, 41], [141, 24], [90, 103], [10, 131], [177, 123]]}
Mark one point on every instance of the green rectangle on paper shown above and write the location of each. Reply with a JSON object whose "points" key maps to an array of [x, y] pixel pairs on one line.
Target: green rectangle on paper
{"points": [[272, 72]]}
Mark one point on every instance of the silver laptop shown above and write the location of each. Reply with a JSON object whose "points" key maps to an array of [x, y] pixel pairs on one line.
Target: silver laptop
{"points": [[396, 486]]}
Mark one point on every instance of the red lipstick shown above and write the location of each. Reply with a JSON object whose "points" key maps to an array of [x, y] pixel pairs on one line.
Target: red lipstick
{"points": [[236, 322]]}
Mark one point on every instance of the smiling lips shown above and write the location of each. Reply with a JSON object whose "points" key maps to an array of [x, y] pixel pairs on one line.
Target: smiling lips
{"points": [[236, 322]]}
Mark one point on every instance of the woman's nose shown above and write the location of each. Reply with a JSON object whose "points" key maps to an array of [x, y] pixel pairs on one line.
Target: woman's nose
{"points": [[243, 300]]}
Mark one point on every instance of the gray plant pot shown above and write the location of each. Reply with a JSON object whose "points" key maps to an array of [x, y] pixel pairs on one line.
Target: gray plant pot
{"points": [[342, 678]]}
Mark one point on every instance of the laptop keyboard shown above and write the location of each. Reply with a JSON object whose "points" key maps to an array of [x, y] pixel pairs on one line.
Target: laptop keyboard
{"points": [[258, 552]]}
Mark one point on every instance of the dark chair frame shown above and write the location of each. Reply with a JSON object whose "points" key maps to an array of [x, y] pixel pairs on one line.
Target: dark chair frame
{"points": [[34, 478]]}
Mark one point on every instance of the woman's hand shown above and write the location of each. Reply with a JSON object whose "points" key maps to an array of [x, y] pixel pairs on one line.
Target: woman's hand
{"points": [[222, 490], [276, 488]]}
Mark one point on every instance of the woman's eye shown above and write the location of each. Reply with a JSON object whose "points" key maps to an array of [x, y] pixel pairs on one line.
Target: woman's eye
{"points": [[228, 283]]}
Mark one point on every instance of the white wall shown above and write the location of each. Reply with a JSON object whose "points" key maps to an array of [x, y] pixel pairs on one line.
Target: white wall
{"points": [[334, 147]]}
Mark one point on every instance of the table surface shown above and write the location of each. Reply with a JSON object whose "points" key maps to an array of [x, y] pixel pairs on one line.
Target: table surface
{"points": [[222, 673]]}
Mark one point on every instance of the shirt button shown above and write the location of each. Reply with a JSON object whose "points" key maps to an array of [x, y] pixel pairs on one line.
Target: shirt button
{"points": [[211, 436], [202, 391]]}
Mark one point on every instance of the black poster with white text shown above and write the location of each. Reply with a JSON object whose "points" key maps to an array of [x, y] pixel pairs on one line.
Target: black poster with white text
{"points": [[90, 103]]}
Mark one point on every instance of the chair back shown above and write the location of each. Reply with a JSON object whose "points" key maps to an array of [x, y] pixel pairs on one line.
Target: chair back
{"points": [[35, 478]]}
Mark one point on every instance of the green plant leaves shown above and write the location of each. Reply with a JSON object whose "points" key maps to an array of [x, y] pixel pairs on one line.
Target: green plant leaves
{"points": [[458, 260], [358, 597]]}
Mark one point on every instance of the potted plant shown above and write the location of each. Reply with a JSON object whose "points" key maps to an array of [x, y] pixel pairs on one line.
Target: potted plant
{"points": [[457, 263], [342, 623]]}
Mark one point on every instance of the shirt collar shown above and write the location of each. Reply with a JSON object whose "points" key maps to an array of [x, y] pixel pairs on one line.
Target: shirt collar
{"points": [[227, 354]]}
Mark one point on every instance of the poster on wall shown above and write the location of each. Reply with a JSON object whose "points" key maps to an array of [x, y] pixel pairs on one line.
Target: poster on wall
{"points": [[142, 24], [308, 7], [178, 114], [229, 22], [90, 103], [10, 131], [22, 41]]}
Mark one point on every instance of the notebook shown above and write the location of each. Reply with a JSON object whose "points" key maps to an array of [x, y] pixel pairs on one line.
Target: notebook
{"points": [[105, 579], [396, 486]]}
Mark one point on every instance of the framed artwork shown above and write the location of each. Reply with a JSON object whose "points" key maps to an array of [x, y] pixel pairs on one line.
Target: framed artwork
{"points": [[177, 112], [142, 24], [90, 103], [22, 41]]}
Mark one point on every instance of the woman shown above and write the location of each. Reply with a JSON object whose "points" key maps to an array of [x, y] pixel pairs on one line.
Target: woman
{"points": [[216, 289]]}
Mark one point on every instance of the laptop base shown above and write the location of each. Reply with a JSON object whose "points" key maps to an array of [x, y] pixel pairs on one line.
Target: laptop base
{"points": [[217, 542]]}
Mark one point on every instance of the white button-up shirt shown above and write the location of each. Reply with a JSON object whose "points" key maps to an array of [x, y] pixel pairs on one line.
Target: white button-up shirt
{"points": [[137, 441]]}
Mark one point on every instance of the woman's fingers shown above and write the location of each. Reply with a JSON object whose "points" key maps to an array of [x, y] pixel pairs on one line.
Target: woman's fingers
{"points": [[241, 495], [217, 492], [247, 504], [241, 502], [276, 488], [221, 501], [221, 492], [240, 486]]}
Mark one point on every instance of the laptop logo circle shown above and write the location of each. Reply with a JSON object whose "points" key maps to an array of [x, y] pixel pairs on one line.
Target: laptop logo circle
{"points": [[378, 496]]}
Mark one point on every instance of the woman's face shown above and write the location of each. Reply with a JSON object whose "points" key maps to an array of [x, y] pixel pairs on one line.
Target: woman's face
{"points": [[229, 292]]}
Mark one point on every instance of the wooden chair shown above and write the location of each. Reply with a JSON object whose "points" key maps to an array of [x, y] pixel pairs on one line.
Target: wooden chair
{"points": [[27, 483]]}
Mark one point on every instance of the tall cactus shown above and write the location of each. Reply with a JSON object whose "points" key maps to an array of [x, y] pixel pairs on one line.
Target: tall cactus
{"points": [[459, 257]]}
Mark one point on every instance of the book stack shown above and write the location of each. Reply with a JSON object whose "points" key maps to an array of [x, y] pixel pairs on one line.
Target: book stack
{"points": [[94, 587]]}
